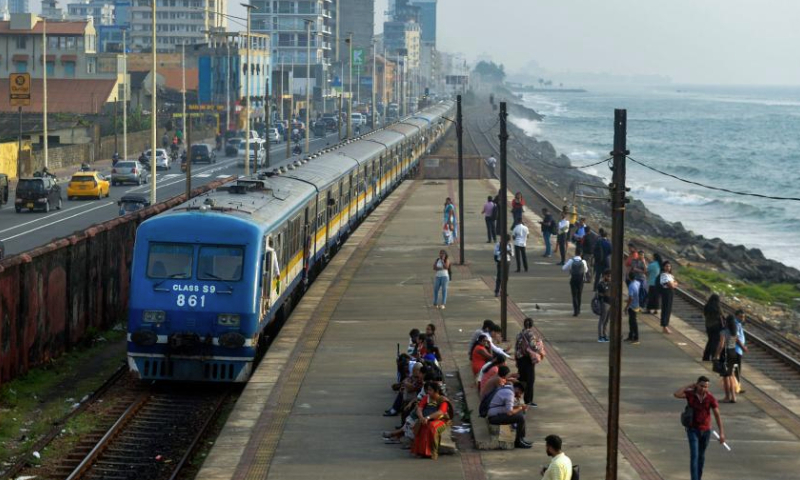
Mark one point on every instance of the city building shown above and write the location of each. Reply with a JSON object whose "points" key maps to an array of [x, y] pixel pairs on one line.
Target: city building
{"points": [[222, 81], [101, 11], [426, 20], [285, 23], [358, 17], [51, 11], [177, 22], [75, 82], [18, 6]]}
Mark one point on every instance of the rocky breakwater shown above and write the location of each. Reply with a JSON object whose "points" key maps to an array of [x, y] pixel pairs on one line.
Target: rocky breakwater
{"points": [[549, 171]]}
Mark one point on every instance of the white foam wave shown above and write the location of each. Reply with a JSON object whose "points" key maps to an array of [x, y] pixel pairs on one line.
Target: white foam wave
{"points": [[748, 100], [530, 127], [671, 197], [545, 106], [585, 155]]}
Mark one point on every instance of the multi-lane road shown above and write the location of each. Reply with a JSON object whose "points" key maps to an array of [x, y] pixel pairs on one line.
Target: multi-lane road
{"points": [[24, 231]]}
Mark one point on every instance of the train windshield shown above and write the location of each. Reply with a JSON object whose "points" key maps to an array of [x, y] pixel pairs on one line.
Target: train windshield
{"points": [[170, 260], [220, 263]]}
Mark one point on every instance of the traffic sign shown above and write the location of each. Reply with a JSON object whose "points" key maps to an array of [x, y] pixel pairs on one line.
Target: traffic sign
{"points": [[358, 56], [20, 89]]}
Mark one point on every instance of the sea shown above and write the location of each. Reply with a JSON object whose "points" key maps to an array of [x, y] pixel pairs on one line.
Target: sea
{"points": [[739, 138]]}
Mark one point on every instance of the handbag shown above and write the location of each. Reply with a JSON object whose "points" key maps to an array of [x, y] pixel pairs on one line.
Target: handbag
{"points": [[720, 365], [687, 417]]}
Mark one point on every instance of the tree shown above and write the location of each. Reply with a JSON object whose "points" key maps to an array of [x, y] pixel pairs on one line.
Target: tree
{"points": [[490, 72]]}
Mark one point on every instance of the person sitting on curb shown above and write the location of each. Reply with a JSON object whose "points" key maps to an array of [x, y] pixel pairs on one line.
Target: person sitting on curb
{"points": [[503, 412]]}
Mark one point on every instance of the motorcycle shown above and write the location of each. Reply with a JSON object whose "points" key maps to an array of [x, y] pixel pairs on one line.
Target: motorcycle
{"points": [[297, 150], [114, 159]]}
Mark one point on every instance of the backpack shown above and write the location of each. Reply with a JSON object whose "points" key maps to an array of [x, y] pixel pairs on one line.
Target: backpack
{"points": [[576, 269], [483, 409], [596, 307], [576, 472]]}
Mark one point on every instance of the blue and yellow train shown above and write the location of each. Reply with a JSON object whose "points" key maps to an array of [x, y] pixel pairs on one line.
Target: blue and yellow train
{"points": [[210, 275]]}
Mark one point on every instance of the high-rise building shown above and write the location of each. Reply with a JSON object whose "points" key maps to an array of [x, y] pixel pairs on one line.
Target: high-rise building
{"points": [[101, 11], [427, 19], [358, 17], [285, 23], [177, 22], [18, 6]]}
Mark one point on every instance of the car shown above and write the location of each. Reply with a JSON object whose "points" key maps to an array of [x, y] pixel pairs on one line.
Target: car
{"points": [[132, 202], [40, 193], [162, 158], [257, 155], [128, 171], [200, 152], [3, 189], [88, 184], [331, 123], [274, 136], [320, 129], [355, 119], [233, 147]]}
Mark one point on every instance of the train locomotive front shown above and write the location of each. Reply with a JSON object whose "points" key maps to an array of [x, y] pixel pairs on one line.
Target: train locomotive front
{"points": [[194, 306]]}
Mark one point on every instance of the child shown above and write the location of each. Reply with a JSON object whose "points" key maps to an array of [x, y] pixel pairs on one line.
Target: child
{"points": [[447, 234]]}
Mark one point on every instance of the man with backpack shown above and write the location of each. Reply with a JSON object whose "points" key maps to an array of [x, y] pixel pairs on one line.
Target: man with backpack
{"points": [[498, 407], [577, 269], [698, 428]]}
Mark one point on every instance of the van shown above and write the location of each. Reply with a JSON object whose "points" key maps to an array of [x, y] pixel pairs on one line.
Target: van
{"points": [[356, 119]]}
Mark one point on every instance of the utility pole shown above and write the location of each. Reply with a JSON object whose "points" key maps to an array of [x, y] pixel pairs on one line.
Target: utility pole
{"points": [[188, 136], [384, 97], [503, 222], [308, 85], [374, 83], [44, 86], [460, 136], [618, 202], [228, 84], [341, 107], [247, 96], [350, 87], [125, 94], [291, 112], [116, 150], [267, 117], [153, 113]]}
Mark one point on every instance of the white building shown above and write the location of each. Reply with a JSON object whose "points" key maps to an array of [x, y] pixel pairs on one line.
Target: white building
{"points": [[177, 22]]}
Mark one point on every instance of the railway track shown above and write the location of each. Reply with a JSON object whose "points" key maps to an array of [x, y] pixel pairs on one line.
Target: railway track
{"points": [[152, 438], [770, 352]]}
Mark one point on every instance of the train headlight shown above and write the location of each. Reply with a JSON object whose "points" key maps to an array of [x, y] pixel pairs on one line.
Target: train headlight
{"points": [[154, 316], [228, 319]]}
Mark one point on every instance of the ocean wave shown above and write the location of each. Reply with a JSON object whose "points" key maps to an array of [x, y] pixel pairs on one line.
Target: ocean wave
{"points": [[671, 197], [530, 127], [544, 105], [748, 101], [584, 155]]}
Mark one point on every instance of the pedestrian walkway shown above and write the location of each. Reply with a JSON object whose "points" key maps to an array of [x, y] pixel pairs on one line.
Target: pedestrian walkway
{"points": [[313, 408]]}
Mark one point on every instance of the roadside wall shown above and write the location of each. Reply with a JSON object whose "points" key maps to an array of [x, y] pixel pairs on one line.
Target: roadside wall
{"points": [[8, 156], [50, 297]]}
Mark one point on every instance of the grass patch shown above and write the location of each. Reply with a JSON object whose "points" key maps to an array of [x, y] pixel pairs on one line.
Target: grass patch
{"points": [[726, 285], [30, 404]]}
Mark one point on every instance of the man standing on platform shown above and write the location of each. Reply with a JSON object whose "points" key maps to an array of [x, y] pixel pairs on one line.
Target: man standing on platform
{"points": [[560, 467], [741, 347], [520, 234], [488, 216], [548, 226], [699, 431]]}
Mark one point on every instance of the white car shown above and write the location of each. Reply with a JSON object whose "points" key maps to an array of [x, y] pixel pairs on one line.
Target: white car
{"points": [[357, 119], [162, 158], [257, 155], [274, 135]]}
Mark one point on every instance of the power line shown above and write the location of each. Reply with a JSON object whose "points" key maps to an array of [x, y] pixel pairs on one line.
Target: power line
{"points": [[568, 167], [711, 187]]}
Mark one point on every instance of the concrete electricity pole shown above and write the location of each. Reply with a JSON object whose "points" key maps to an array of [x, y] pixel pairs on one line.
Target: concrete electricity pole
{"points": [[308, 83], [374, 84], [44, 87], [460, 136], [153, 106], [125, 94], [349, 41], [247, 96], [186, 124], [503, 222], [618, 201]]}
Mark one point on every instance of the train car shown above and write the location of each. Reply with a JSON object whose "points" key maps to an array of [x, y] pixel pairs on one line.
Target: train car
{"points": [[210, 275]]}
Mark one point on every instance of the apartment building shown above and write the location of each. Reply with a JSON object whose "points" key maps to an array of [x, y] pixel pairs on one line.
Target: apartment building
{"points": [[177, 22], [101, 11]]}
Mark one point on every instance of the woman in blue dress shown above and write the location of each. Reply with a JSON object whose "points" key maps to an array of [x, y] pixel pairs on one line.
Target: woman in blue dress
{"points": [[450, 217]]}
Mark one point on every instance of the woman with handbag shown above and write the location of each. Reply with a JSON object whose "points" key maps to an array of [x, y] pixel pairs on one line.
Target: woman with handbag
{"points": [[434, 413], [529, 351], [724, 360]]}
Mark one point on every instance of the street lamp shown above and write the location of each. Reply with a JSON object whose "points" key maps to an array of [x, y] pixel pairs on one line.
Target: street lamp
{"points": [[247, 96]]}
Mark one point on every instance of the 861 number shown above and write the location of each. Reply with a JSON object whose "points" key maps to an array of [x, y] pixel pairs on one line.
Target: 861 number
{"points": [[191, 300]]}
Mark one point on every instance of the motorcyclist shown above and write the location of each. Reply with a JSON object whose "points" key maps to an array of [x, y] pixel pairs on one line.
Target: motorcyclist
{"points": [[114, 159], [85, 167], [296, 150]]}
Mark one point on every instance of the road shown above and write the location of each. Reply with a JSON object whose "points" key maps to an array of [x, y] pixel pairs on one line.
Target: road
{"points": [[27, 230]]}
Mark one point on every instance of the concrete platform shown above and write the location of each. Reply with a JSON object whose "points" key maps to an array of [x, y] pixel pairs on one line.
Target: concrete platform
{"points": [[313, 408]]}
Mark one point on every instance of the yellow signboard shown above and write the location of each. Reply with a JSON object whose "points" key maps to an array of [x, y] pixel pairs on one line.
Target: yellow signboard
{"points": [[20, 89]]}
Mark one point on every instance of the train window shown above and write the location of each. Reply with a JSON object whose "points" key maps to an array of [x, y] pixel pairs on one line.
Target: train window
{"points": [[220, 263], [170, 260]]}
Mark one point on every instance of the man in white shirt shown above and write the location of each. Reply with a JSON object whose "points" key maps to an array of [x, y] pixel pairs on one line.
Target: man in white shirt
{"points": [[577, 269], [489, 328], [491, 162], [560, 467], [520, 234]]}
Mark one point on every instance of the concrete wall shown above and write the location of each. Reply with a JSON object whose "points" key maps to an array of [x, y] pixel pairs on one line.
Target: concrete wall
{"points": [[446, 167], [50, 297]]}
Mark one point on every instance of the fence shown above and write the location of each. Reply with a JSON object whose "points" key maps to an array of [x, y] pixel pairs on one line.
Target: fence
{"points": [[51, 296]]}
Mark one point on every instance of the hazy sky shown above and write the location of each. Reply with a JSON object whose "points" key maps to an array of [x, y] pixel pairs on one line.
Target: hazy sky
{"points": [[692, 41]]}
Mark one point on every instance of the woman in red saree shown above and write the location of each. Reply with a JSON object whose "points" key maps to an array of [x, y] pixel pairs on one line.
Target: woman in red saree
{"points": [[433, 413]]}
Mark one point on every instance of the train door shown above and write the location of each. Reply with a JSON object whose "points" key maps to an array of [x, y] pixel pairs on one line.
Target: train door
{"points": [[270, 271], [306, 239]]}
